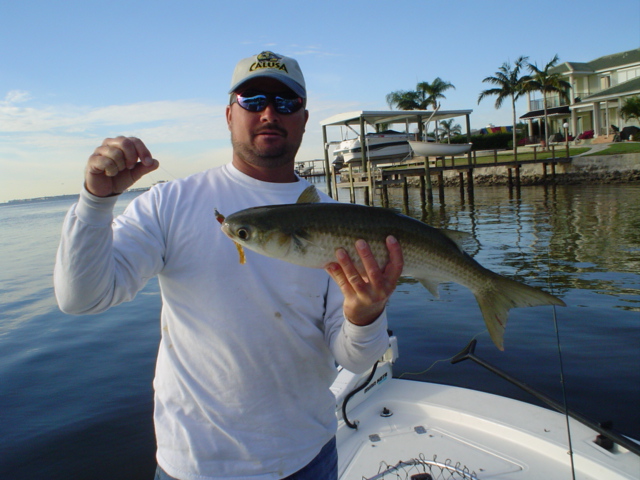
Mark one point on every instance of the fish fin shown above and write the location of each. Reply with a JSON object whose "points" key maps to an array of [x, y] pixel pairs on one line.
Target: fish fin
{"points": [[504, 294], [309, 195], [430, 285], [458, 237]]}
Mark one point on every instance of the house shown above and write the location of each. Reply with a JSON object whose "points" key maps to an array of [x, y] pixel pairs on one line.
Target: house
{"points": [[599, 88]]}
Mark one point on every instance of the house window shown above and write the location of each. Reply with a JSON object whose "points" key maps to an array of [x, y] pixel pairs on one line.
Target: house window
{"points": [[626, 75], [605, 82]]}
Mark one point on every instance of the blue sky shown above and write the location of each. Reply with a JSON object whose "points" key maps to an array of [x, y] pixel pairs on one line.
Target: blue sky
{"points": [[75, 72]]}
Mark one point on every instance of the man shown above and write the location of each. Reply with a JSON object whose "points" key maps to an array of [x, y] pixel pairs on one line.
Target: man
{"points": [[247, 352]]}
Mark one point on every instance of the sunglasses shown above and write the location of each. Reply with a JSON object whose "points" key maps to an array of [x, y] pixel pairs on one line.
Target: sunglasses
{"points": [[257, 102]]}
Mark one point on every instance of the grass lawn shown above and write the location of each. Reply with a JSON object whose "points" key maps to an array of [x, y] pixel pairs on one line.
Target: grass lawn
{"points": [[619, 148], [488, 159]]}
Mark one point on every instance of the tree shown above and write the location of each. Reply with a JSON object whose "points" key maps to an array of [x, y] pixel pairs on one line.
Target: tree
{"points": [[449, 129], [509, 84], [424, 96], [434, 92], [631, 108], [542, 80], [404, 100]]}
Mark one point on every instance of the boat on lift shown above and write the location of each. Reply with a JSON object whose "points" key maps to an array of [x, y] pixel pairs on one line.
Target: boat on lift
{"points": [[390, 428], [433, 149], [386, 146]]}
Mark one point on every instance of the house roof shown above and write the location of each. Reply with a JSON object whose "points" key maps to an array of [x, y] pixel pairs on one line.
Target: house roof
{"points": [[629, 87], [564, 110], [607, 62]]}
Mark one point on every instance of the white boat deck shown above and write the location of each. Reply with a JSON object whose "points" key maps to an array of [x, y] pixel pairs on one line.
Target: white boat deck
{"points": [[484, 435]]}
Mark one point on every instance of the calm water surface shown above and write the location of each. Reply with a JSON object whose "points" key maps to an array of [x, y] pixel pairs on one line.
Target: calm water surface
{"points": [[75, 392]]}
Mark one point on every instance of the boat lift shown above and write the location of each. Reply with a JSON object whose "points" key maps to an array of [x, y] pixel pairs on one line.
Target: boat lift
{"points": [[375, 119]]}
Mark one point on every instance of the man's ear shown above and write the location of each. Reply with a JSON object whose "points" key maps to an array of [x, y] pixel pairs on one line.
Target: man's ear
{"points": [[228, 115]]}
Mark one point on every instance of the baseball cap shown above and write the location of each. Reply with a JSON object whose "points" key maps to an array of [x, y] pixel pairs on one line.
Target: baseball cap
{"points": [[268, 64]]}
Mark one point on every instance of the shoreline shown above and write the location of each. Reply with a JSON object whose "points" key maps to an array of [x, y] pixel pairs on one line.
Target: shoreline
{"points": [[604, 169]]}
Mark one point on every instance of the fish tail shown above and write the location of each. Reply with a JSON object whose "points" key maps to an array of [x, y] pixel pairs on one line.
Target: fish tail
{"points": [[503, 294]]}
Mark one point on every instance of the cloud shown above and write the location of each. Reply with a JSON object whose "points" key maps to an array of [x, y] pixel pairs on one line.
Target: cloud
{"points": [[16, 96], [78, 119]]}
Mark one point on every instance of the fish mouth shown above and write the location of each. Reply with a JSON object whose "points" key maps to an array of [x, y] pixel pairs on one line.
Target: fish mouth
{"points": [[227, 230]]}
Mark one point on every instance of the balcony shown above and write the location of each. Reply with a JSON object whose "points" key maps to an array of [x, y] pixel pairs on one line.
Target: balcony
{"points": [[552, 102]]}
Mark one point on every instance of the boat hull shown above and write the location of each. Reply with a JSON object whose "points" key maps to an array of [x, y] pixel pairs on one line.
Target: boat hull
{"points": [[430, 149], [379, 148]]}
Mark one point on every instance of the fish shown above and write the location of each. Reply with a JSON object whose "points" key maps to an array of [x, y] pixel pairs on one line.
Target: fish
{"points": [[309, 232]]}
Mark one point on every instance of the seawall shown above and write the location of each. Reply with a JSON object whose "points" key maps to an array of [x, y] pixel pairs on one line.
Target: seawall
{"points": [[622, 168]]}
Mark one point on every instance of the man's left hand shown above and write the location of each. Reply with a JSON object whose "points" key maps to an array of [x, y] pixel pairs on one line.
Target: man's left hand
{"points": [[366, 294]]}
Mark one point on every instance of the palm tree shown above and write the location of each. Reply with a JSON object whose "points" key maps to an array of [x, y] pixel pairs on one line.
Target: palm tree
{"points": [[404, 100], [424, 96], [546, 82], [432, 92], [631, 108], [508, 83], [450, 129]]}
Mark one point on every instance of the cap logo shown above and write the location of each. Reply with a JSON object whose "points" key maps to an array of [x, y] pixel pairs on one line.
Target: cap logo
{"points": [[268, 60]]}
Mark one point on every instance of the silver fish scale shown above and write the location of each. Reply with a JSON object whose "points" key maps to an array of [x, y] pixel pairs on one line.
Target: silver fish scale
{"points": [[319, 229]]}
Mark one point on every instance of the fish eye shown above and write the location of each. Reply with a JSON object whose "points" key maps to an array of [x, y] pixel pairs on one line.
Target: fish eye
{"points": [[243, 233]]}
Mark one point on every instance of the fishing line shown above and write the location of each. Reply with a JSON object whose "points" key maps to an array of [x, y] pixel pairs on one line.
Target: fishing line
{"points": [[560, 360], [167, 171], [440, 361]]}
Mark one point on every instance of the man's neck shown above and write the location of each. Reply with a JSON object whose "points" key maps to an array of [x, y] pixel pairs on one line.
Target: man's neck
{"points": [[281, 174]]}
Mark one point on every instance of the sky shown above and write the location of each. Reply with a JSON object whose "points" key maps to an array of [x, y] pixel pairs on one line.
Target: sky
{"points": [[75, 72]]}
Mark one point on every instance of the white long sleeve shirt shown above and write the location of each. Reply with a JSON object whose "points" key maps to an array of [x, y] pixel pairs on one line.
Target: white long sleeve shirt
{"points": [[247, 352]]}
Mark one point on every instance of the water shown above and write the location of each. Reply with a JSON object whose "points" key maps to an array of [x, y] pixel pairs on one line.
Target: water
{"points": [[76, 395]]}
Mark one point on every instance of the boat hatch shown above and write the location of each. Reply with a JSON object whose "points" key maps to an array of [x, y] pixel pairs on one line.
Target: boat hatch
{"points": [[422, 449]]}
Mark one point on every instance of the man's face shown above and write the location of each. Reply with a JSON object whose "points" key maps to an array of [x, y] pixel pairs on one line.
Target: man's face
{"points": [[267, 138]]}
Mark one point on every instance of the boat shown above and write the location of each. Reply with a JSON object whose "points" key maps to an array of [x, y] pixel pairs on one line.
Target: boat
{"points": [[391, 428], [380, 147], [303, 170], [432, 149]]}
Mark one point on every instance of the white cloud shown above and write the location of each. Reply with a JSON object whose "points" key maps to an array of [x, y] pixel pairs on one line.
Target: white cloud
{"points": [[16, 96], [75, 119]]}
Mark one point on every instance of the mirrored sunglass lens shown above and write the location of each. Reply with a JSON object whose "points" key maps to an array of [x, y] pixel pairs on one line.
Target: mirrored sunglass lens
{"points": [[255, 103], [288, 105]]}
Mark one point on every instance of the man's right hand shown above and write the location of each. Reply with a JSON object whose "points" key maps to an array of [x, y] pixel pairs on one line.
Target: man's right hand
{"points": [[116, 165]]}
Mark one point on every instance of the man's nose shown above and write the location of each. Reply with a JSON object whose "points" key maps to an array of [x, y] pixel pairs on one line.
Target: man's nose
{"points": [[269, 114]]}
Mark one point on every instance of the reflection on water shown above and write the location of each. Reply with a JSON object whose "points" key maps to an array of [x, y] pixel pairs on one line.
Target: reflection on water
{"points": [[569, 230]]}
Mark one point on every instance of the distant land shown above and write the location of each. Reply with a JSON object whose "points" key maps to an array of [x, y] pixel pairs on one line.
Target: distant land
{"points": [[60, 197]]}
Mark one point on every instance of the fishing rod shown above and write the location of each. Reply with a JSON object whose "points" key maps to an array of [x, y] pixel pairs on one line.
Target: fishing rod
{"points": [[606, 438]]}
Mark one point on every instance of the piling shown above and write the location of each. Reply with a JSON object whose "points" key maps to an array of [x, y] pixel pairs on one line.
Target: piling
{"points": [[441, 187], [427, 175], [405, 196]]}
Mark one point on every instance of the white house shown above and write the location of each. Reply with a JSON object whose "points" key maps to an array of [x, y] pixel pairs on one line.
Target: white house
{"points": [[598, 90]]}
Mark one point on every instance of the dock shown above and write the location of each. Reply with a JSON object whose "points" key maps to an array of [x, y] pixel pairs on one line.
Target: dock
{"points": [[375, 179], [312, 170], [425, 170]]}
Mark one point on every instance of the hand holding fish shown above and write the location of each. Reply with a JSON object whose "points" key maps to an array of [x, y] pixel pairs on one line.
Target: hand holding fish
{"points": [[366, 293], [116, 165]]}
